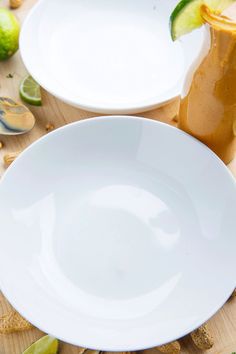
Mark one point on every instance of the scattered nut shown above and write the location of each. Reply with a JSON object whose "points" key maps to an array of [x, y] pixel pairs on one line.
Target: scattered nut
{"points": [[202, 337], [170, 348], [49, 127], [13, 322], [14, 4], [1, 145], [175, 119], [9, 158]]}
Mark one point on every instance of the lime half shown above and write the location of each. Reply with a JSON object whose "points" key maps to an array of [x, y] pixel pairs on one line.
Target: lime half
{"points": [[45, 345], [30, 91], [9, 34], [187, 17]]}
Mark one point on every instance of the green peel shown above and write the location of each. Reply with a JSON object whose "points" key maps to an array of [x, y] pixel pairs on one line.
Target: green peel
{"points": [[186, 16], [45, 345]]}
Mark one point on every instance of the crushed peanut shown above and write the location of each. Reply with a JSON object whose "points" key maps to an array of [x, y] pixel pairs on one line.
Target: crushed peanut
{"points": [[13, 322], [49, 127], [1, 145], [14, 4]]}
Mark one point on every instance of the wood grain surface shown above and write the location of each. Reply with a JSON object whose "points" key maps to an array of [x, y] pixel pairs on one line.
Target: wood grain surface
{"points": [[223, 324]]}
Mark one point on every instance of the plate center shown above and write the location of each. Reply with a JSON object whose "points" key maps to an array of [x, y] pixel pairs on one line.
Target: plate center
{"points": [[115, 242]]}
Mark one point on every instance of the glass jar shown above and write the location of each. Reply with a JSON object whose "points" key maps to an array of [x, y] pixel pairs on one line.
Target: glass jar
{"points": [[208, 104]]}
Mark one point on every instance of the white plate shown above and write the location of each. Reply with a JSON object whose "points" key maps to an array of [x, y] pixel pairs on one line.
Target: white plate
{"points": [[117, 233], [109, 56]]}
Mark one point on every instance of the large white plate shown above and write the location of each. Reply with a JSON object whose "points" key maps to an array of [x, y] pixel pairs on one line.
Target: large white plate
{"points": [[117, 233], [109, 56]]}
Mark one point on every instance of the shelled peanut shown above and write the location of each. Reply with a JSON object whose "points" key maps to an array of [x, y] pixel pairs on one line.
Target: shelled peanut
{"points": [[10, 157], [202, 337], [170, 348]]}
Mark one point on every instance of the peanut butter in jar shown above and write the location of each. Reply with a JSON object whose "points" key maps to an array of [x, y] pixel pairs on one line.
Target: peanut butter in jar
{"points": [[208, 106]]}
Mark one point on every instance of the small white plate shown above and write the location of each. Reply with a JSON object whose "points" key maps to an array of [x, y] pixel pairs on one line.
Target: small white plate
{"points": [[117, 233], [109, 56]]}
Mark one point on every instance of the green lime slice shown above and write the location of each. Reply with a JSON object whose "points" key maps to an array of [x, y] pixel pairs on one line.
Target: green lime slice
{"points": [[30, 91], [45, 345], [187, 17]]}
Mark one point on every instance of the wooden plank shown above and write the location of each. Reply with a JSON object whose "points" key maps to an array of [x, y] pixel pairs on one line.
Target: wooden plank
{"points": [[223, 324]]}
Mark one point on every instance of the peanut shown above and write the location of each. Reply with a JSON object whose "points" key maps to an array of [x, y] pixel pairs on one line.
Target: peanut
{"points": [[9, 158], [49, 127], [202, 337], [14, 4], [170, 348]]}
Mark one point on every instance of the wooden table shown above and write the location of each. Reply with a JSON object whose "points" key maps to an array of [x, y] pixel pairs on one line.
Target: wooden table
{"points": [[223, 324]]}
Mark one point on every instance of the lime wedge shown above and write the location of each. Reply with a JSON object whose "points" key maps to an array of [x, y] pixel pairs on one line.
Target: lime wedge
{"points": [[187, 17], [30, 91], [45, 345]]}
